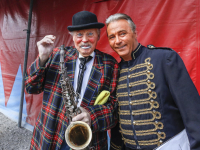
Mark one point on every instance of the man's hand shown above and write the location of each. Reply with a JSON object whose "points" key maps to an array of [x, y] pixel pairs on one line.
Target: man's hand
{"points": [[84, 116], [45, 47]]}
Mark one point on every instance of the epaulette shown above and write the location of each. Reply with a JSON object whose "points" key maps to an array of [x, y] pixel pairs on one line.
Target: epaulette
{"points": [[153, 47]]}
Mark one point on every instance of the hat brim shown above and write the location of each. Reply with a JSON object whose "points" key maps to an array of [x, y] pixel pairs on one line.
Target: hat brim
{"points": [[86, 26]]}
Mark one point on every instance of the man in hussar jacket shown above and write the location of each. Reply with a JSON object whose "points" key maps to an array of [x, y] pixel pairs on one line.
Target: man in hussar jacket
{"points": [[157, 99]]}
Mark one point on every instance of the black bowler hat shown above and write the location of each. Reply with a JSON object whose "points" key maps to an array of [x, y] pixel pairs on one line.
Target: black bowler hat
{"points": [[84, 20]]}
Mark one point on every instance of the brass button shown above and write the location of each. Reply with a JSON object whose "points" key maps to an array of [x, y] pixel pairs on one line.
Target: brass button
{"points": [[148, 81], [130, 69], [149, 91], [159, 132], [160, 141], [156, 122], [134, 123], [130, 85], [130, 95], [152, 101], [154, 111], [148, 72], [148, 63], [131, 103], [129, 76], [133, 113]]}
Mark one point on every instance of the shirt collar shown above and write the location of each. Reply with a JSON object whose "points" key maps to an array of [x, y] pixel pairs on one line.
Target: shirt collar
{"points": [[80, 56]]}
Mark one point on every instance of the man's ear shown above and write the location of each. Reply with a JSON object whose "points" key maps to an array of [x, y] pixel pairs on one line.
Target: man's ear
{"points": [[136, 34], [73, 38]]}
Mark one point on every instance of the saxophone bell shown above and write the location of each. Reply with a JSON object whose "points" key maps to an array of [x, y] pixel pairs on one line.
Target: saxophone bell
{"points": [[78, 135]]}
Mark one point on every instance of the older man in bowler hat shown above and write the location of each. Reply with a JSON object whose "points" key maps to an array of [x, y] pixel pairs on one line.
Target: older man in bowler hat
{"points": [[100, 74]]}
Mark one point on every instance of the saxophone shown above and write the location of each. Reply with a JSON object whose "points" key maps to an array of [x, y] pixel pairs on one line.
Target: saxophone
{"points": [[78, 134]]}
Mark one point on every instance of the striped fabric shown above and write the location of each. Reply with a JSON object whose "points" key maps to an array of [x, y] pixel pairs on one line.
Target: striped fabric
{"points": [[52, 122]]}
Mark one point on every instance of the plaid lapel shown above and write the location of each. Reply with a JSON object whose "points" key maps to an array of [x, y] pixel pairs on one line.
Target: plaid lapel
{"points": [[70, 63], [94, 79]]}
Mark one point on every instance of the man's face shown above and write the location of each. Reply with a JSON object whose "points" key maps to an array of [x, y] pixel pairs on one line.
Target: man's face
{"points": [[121, 38], [85, 41]]}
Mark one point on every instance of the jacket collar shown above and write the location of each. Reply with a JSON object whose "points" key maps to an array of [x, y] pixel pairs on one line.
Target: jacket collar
{"points": [[136, 52], [98, 61]]}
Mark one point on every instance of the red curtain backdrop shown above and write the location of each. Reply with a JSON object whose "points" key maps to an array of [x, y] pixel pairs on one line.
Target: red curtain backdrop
{"points": [[168, 23]]}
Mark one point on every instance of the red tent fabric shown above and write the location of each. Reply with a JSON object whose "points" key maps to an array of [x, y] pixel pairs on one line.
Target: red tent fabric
{"points": [[174, 24]]}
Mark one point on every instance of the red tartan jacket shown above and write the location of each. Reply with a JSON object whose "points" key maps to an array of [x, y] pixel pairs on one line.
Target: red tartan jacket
{"points": [[52, 122]]}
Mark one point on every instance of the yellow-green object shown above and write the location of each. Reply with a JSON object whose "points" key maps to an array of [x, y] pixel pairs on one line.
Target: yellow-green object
{"points": [[102, 98]]}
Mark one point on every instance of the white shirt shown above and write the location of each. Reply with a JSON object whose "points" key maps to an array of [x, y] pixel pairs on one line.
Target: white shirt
{"points": [[85, 76]]}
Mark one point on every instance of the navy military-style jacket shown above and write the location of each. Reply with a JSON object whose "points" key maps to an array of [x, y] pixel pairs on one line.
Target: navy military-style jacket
{"points": [[157, 100]]}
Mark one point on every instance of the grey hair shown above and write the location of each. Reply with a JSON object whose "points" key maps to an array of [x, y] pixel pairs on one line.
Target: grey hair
{"points": [[119, 16]]}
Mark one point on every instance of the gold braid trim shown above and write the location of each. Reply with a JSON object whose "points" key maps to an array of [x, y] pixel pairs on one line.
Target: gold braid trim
{"points": [[161, 135], [151, 94], [137, 74], [143, 143], [145, 64], [157, 125], [155, 114], [141, 82], [115, 146], [153, 104], [148, 66]]}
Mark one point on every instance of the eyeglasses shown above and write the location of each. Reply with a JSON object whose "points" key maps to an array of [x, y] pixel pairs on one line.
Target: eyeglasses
{"points": [[81, 34]]}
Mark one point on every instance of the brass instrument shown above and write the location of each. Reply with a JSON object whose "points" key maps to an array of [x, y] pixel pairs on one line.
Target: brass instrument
{"points": [[78, 134]]}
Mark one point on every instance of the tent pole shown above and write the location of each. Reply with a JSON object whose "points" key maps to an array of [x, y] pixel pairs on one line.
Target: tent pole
{"points": [[25, 62]]}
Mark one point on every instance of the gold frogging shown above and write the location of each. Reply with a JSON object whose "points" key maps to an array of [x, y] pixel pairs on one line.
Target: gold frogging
{"points": [[150, 125]]}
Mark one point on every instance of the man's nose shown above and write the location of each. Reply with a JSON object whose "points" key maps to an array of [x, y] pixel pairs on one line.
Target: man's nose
{"points": [[117, 40], [85, 38]]}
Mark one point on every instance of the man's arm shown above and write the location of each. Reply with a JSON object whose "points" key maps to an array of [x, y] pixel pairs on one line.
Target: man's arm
{"points": [[36, 73], [186, 97]]}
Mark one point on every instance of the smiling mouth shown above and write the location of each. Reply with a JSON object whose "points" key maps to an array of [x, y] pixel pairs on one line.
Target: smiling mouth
{"points": [[121, 47], [85, 47]]}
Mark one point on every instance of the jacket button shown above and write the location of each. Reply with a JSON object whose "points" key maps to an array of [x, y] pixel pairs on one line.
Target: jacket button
{"points": [[148, 81], [134, 123]]}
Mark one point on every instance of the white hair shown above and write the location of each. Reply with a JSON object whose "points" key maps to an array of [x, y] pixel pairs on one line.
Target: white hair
{"points": [[119, 16]]}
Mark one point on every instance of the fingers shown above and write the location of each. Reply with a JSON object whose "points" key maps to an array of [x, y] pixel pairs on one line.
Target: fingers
{"points": [[45, 47], [84, 116], [47, 40]]}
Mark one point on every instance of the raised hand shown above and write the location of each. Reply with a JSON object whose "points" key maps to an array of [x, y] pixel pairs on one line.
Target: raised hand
{"points": [[45, 47]]}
